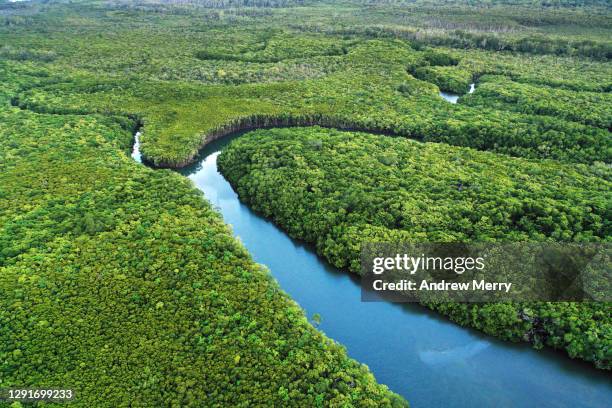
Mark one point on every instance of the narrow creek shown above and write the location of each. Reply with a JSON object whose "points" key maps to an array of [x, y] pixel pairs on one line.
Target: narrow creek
{"points": [[453, 98], [425, 358]]}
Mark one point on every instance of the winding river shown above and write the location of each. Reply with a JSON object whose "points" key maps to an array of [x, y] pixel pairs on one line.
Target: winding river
{"points": [[425, 358]]}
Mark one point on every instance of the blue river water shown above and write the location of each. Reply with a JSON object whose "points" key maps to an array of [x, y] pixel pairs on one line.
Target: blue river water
{"points": [[423, 357]]}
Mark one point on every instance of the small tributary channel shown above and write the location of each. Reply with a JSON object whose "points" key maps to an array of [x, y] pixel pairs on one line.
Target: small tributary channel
{"points": [[453, 98], [425, 358]]}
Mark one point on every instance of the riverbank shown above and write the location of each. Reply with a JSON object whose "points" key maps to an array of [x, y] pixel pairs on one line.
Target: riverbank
{"points": [[254, 122], [417, 353], [134, 281], [339, 190]]}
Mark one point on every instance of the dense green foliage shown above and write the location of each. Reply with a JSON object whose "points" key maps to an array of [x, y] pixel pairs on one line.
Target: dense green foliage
{"points": [[123, 283], [361, 93], [539, 28], [339, 189], [591, 108], [447, 78], [256, 70]]}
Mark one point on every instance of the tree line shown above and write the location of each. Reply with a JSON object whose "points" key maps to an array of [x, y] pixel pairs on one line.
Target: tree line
{"points": [[338, 190]]}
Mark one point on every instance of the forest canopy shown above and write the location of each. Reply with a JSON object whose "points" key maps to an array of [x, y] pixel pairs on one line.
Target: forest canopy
{"points": [[338, 190], [122, 280]]}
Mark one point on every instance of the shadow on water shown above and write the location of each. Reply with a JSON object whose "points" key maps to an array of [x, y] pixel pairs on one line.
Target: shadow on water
{"points": [[418, 354], [452, 97]]}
